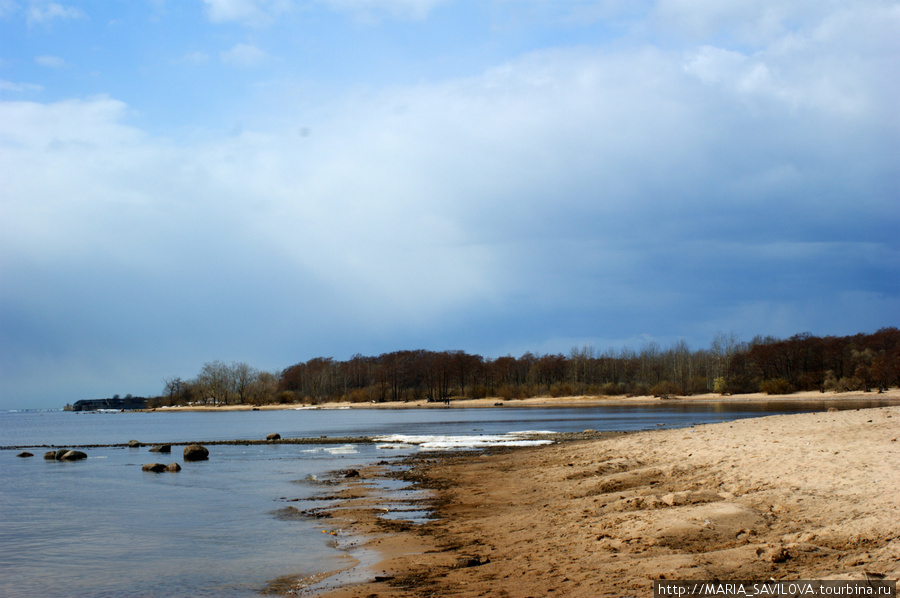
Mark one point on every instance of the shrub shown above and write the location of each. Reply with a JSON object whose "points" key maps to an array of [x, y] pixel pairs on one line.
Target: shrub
{"points": [[611, 389], [562, 389], [719, 386], [664, 389], [638, 390], [358, 395], [776, 386], [287, 396]]}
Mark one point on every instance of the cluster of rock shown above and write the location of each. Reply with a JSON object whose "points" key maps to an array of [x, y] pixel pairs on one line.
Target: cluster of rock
{"points": [[192, 452], [161, 467], [64, 455]]}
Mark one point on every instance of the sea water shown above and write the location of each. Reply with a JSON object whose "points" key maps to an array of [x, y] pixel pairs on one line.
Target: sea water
{"points": [[101, 527]]}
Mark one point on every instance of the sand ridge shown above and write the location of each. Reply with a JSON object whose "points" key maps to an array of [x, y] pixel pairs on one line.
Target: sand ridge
{"points": [[804, 496]]}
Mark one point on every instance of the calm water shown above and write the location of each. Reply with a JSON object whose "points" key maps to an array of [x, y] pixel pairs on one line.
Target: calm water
{"points": [[103, 528]]}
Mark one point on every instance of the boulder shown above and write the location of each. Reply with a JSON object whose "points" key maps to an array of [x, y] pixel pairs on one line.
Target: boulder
{"points": [[274, 436], [58, 455], [134, 443], [196, 452], [173, 467], [50, 455], [154, 467], [25, 454], [161, 448], [71, 456], [353, 473]]}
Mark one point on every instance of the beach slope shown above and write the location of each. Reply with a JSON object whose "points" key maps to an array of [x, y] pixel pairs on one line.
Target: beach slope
{"points": [[806, 496]]}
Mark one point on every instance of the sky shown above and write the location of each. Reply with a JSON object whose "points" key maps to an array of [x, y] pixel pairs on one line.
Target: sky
{"points": [[268, 181]]}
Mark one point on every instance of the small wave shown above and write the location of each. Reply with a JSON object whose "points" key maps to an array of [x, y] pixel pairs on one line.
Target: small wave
{"points": [[437, 442]]}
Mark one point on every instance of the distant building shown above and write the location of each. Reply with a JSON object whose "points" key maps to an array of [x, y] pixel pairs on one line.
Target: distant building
{"points": [[127, 403]]}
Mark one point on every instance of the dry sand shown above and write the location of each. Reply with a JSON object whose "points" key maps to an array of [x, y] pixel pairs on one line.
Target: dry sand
{"points": [[806, 397], [807, 496]]}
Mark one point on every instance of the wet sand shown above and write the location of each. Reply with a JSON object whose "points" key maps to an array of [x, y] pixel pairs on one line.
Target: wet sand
{"points": [[805, 496]]}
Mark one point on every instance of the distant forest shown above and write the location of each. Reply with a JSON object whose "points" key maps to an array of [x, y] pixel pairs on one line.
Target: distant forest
{"points": [[775, 366]]}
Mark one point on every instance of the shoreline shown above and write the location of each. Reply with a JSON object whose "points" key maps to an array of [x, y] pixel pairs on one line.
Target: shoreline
{"points": [[892, 394], [800, 496]]}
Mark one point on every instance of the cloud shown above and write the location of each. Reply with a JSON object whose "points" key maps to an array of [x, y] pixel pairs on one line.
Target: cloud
{"points": [[7, 7], [373, 10], [571, 194], [19, 87], [43, 12], [254, 13], [244, 56], [54, 62], [260, 13], [196, 58]]}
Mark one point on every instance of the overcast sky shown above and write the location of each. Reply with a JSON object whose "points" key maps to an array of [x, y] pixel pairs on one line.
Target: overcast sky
{"points": [[273, 180]]}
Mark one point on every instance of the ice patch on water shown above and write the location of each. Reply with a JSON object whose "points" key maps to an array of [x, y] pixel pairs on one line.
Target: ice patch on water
{"points": [[344, 449], [438, 442]]}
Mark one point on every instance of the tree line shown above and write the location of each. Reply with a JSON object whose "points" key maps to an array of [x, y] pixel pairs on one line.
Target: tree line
{"points": [[728, 366]]}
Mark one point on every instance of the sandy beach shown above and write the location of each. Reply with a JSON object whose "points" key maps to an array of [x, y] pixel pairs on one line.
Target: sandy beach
{"points": [[574, 401], [806, 496]]}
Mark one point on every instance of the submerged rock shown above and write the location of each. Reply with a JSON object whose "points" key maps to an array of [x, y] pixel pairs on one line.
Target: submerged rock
{"points": [[196, 452], [173, 467], [50, 455], [134, 443], [154, 467], [25, 454], [161, 448], [71, 456]]}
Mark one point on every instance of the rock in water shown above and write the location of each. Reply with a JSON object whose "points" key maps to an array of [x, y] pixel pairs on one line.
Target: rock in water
{"points": [[25, 454], [50, 455], [134, 443], [161, 448], [154, 467], [196, 452], [60, 453], [173, 467], [71, 456], [274, 436]]}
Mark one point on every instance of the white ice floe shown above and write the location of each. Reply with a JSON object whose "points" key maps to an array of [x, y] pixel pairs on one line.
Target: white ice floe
{"points": [[344, 449], [437, 442]]}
